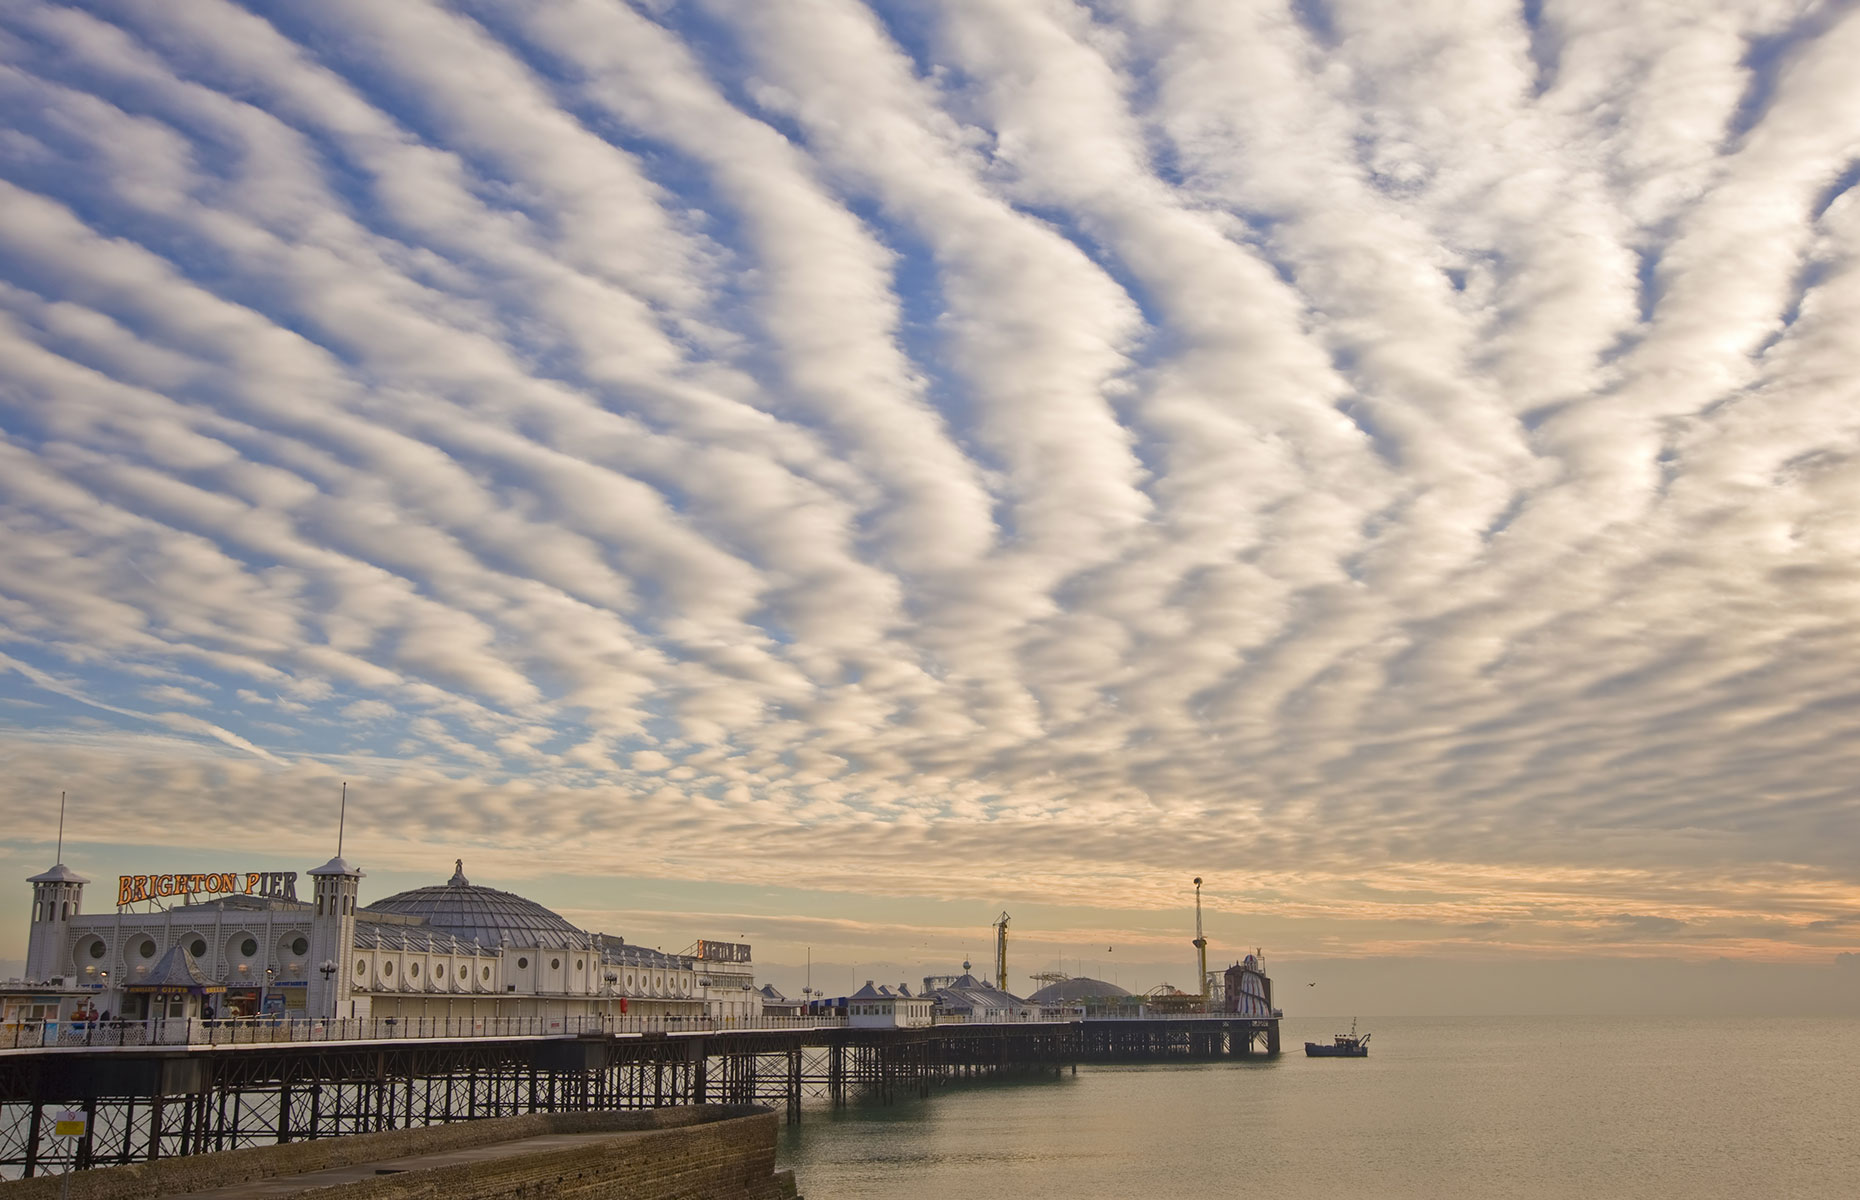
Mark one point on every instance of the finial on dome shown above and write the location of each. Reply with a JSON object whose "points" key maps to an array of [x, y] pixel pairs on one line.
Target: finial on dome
{"points": [[458, 874]]}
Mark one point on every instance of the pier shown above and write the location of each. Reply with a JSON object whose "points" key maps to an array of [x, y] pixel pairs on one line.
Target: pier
{"points": [[151, 1093]]}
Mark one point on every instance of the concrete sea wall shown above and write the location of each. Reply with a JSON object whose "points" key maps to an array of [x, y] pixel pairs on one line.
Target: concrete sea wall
{"points": [[706, 1152]]}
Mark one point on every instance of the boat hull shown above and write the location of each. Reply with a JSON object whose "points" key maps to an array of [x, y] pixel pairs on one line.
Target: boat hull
{"points": [[1319, 1050]]}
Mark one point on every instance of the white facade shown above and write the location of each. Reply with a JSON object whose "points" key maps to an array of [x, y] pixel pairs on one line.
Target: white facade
{"points": [[727, 980], [329, 956], [882, 1008]]}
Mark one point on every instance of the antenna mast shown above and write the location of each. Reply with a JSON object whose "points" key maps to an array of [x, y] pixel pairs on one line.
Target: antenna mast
{"points": [[61, 829], [342, 818]]}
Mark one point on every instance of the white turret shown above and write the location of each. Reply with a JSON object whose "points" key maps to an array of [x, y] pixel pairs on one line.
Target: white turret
{"points": [[55, 898], [332, 936]]}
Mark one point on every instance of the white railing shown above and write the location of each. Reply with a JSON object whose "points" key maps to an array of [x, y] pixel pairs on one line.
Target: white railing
{"points": [[194, 1031], [236, 1031]]}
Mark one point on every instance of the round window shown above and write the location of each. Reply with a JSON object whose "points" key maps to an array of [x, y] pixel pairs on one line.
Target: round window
{"points": [[361, 967], [414, 970], [387, 968], [146, 949], [249, 947], [523, 964], [629, 981], [485, 973], [96, 950], [463, 972], [555, 964], [300, 945], [197, 948]]}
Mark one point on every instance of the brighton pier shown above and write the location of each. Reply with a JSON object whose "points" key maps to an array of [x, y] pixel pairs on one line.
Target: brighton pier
{"points": [[252, 1017], [230, 1085]]}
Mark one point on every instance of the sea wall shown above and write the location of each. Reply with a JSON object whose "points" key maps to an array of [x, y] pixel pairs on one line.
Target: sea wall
{"points": [[705, 1152]]}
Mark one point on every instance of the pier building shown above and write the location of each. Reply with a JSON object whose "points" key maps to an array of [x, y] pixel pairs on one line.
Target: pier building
{"points": [[454, 949]]}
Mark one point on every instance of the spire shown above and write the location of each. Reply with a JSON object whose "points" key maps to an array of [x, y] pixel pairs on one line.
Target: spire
{"points": [[458, 874]]}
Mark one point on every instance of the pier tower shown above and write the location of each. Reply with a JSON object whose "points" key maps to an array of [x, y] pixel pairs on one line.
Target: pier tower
{"points": [[332, 934], [56, 895]]}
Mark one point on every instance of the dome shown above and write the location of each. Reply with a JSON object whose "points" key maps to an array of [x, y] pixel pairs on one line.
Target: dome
{"points": [[1077, 991], [483, 915]]}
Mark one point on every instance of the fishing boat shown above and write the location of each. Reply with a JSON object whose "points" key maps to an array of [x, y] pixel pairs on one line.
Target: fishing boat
{"points": [[1346, 1045]]}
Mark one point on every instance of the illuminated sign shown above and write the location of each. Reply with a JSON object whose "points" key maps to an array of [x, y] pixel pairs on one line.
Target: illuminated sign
{"points": [[279, 885]]}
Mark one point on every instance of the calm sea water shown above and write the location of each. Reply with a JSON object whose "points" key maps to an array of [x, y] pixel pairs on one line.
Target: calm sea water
{"points": [[1443, 1107]]}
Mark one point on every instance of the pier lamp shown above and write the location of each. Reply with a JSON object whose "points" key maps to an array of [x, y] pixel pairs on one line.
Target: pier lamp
{"points": [[328, 968]]}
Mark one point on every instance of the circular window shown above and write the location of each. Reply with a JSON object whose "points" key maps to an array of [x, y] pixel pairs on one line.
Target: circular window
{"points": [[96, 950], [197, 948], [249, 947], [414, 970], [146, 949], [629, 981], [387, 968], [485, 974], [300, 945], [361, 967], [555, 964], [578, 964], [523, 964], [463, 972]]}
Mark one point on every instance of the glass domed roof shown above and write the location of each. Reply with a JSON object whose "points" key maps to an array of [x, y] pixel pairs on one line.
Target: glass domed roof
{"points": [[483, 915], [1077, 991]]}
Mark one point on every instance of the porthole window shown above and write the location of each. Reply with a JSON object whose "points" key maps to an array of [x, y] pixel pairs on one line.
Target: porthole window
{"points": [[629, 981], [485, 974], [197, 948], [146, 949], [361, 967], [300, 945], [387, 969], [414, 970], [578, 964], [555, 964], [97, 950], [463, 972], [523, 964], [249, 947]]}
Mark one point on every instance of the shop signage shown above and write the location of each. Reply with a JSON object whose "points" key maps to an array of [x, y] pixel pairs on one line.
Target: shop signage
{"points": [[727, 952], [280, 885]]}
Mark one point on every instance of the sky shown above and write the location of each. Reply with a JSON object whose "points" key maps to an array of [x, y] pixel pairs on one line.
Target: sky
{"points": [[827, 473]]}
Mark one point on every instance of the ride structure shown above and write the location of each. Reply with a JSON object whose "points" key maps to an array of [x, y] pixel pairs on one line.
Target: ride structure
{"points": [[1001, 928], [1201, 947]]}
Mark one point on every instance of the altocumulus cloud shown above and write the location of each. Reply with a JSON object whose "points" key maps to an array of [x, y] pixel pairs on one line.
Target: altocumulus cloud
{"points": [[1401, 460]]}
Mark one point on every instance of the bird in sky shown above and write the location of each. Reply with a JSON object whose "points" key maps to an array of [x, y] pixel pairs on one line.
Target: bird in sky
{"points": [[1313, 983]]}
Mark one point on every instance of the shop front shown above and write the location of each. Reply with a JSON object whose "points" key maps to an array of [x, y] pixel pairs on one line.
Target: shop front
{"points": [[174, 990]]}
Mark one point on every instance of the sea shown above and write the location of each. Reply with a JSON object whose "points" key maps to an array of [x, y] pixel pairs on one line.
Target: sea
{"points": [[1565, 1107]]}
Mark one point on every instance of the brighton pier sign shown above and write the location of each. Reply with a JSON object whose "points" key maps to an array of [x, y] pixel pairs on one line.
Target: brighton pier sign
{"points": [[279, 885]]}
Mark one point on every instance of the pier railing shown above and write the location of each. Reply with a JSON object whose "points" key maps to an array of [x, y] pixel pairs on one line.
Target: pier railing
{"points": [[233, 1031], [238, 1031]]}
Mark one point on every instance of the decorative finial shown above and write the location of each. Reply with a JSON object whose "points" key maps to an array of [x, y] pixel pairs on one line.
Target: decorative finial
{"points": [[458, 874]]}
